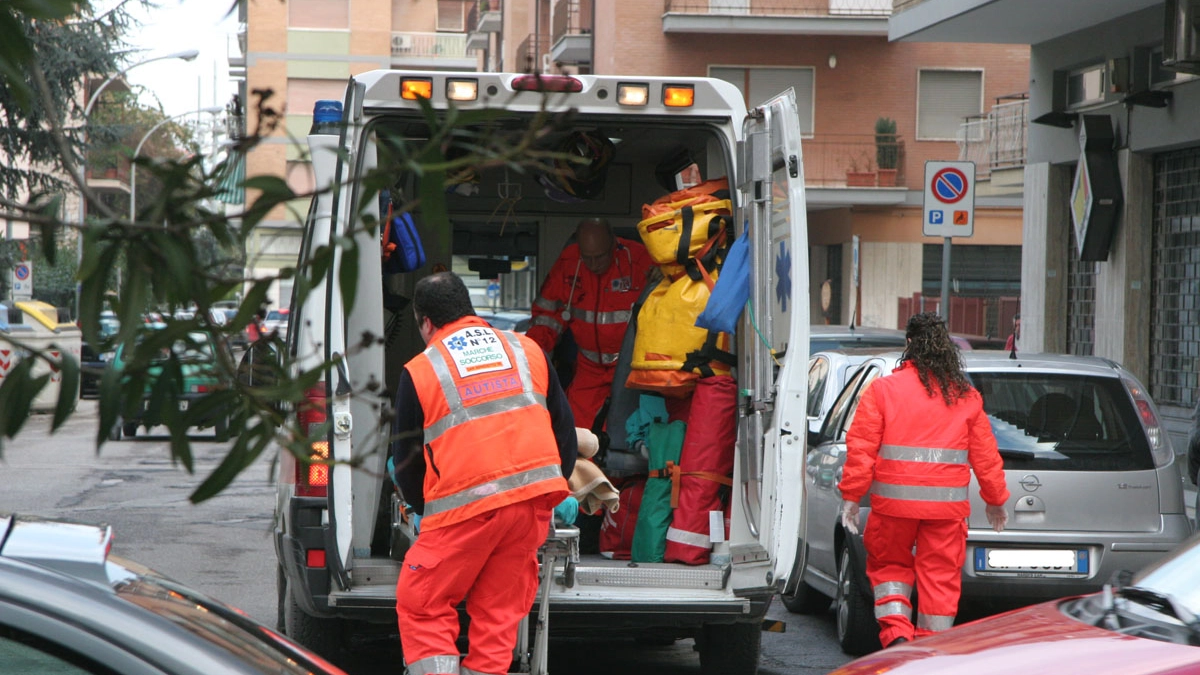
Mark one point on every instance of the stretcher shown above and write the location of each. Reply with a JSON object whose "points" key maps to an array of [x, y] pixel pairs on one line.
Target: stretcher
{"points": [[561, 547]]}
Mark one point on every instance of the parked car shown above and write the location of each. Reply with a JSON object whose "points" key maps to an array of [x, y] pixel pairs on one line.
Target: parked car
{"points": [[92, 361], [1095, 488], [68, 606], [823, 338], [1144, 628], [276, 321], [827, 374], [197, 356]]}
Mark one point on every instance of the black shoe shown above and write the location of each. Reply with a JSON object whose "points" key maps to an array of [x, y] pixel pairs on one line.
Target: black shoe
{"points": [[897, 641]]}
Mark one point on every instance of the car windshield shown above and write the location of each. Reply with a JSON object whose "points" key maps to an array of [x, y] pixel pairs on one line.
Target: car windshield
{"points": [[1176, 575], [1063, 422]]}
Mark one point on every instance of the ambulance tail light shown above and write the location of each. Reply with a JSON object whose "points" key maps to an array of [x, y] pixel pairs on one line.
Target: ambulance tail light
{"points": [[312, 476], [462, 90], [413, 88], [633, 94], [314, 557], [1160, 444], [679, 95], [562, 84]]}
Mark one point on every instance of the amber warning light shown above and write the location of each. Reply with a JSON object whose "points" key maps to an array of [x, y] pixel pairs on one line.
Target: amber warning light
{"points": [[679, 95], [412, 88]]}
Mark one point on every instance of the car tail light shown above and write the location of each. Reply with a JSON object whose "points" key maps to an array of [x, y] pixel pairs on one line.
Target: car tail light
{"points": [[1160, 444], [315, 557], [312, 477]]}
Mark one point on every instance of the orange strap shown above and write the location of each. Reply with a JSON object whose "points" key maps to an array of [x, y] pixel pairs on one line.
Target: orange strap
{"points": [[673, 471], [388, 245]]}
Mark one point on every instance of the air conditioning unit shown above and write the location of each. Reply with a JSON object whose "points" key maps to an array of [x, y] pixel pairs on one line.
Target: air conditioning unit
{"points": [[547, 64], [1181, 37], [401, 43]]}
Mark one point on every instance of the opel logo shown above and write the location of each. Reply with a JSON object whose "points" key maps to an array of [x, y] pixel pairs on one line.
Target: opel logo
{"points": [[1030, 483]]}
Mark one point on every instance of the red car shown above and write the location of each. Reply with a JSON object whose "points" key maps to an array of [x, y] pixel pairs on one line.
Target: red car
{"points": [[1148, 627]]}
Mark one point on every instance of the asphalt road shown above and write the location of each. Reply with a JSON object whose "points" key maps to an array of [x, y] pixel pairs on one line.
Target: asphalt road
{"points": [[223, 547]]}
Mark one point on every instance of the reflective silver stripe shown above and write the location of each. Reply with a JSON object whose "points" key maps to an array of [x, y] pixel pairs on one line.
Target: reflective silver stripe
{"points": [[935, 622], [459, 413], [605, 318], [548, 322], [894, 608], [492, 488], [468, 671], [688, 538], [441, 664], [597, 357], [892, 588], [932, 455], [548, 305], [922, 493]]}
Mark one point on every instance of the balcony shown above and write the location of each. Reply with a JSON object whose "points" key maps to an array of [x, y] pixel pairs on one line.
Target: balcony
{"points": [[1003, 21], [438, 50], [996, 142], [571, 32], [778, 17], [853, 161], [483, 19]]}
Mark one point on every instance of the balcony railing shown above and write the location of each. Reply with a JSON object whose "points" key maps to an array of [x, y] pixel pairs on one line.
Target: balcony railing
{"points": [[853, 160], [533, 54], [996, 140], [484, 17], [795, 8], [429, 45]]}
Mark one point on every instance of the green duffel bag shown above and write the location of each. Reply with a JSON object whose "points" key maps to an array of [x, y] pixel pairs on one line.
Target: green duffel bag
{"points": [[664, 442]]}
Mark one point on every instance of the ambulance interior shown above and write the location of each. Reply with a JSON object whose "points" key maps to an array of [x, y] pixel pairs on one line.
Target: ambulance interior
{"points": [[508, 223]]}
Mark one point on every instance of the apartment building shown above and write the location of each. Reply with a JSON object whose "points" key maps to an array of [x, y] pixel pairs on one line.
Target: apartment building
{"points": [[947, 101]]}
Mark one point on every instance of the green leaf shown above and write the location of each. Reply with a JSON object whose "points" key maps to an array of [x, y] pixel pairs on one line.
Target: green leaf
{"points": [[348, 274], [241, 456], [110, 403], [68, 392], [17, 393]]}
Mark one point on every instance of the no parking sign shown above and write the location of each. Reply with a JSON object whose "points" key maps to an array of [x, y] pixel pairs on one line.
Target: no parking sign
{"points": [[22, 280], [949, 199]]}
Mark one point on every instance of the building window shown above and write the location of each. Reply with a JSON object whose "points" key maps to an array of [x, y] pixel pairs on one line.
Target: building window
{"points": [[1085, 86], [1175, 280], [945, 100], [1081, 300], [452, 16], [327, 14], [759, 84]]}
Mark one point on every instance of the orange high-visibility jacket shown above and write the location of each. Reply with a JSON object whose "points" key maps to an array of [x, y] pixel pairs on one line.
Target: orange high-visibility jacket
{"points": [[914, 453], [596, 308], [488, 436]]}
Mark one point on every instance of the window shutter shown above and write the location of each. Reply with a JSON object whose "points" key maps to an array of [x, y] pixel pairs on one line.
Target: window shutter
{"points": [[946, 98], [451, 16], [767, 82]]}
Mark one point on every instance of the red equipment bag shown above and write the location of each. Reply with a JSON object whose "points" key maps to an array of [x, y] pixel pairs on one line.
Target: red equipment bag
{"points": [[705, 468], [616, 532]]}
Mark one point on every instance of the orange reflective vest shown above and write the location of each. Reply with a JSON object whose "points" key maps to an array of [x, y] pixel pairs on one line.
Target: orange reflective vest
{"points": [[488, 436], [915, 454], [596, 308]]}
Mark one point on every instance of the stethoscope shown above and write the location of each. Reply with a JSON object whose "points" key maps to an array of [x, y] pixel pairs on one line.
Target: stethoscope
{"points": [[566, 314]]}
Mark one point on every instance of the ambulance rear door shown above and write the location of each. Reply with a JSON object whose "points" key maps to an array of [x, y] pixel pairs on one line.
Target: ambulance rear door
{"points": [[774, 345]]}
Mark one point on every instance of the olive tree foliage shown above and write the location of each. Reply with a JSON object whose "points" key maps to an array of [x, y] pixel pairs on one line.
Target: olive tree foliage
{"points": [[159, 257]]}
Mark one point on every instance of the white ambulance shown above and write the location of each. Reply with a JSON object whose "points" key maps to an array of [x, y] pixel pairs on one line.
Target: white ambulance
{"points": [[502, 227]]}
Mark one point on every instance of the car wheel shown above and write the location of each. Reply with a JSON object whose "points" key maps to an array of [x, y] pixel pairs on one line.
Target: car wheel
{"points": [[221, 429], [730, 648], [805, 600], [321, 635], [129, 429], [857, 630]]}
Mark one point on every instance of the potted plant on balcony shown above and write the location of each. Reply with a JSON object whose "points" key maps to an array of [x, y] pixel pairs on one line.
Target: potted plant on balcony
{"points": [[859, 173], [887, 151]]}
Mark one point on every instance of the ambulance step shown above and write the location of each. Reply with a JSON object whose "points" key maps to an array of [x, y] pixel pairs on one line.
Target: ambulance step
{"points": [[653, 575], [376, 571]]}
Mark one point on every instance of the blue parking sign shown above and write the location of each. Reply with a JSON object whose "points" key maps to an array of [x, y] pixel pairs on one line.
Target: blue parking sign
{"points": [[935, 217]]}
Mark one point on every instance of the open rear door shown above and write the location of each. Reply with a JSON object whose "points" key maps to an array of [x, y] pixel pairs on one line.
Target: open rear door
{"points": [[775, 351]]}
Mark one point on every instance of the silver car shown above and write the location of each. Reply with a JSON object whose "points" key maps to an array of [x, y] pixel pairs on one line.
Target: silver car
{"points": [[1094, 482], [822, 338]]}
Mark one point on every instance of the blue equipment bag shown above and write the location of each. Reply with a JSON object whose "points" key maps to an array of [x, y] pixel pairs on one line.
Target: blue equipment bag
{"points": [[731, 291], [402, 249]]}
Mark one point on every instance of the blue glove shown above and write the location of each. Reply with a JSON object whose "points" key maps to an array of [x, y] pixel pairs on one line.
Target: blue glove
{"points": [[567, 511], [391, 469]]}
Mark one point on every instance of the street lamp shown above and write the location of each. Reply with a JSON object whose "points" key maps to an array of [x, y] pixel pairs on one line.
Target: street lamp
{"points": [[186, 55], [138, 150]]}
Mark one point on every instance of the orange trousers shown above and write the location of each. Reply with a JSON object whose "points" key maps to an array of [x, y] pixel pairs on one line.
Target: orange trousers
{"points": [[589, 387], [903, 550], [491, 561]]}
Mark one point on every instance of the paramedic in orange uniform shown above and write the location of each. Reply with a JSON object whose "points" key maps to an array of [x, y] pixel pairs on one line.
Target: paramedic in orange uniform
{"points": [[483, 438], [591, 290], [915, 438]]}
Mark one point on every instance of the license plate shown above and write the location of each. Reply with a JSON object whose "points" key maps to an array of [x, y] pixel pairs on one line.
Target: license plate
{"points": [[1038, 560], [183, 405]]}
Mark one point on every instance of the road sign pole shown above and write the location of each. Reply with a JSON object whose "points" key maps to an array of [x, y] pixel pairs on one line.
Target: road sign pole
{"points": [[946, 281]]}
